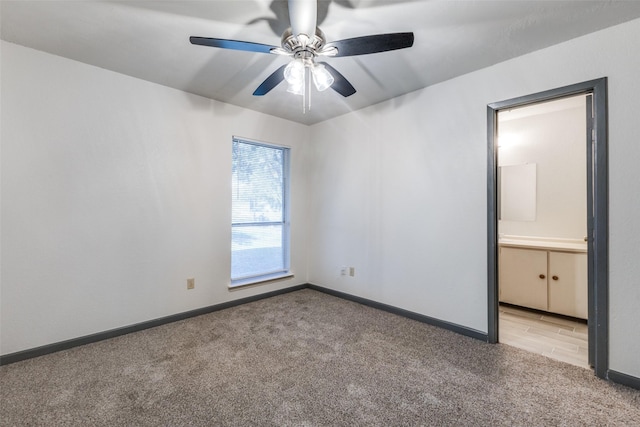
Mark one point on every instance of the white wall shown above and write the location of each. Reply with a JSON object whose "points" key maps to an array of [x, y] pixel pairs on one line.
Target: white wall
{"points": [[399, 189], [114, 192], [556, 143]]}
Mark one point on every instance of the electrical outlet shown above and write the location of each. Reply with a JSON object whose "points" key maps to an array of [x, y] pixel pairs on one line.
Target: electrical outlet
{"points": [[352, 271], [343, 271], [191, 283]]}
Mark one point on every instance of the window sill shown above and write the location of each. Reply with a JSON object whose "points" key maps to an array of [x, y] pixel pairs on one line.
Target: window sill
{"points": [[252, 281]]}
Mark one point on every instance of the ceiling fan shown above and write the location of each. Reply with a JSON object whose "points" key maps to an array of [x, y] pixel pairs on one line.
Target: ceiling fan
{"points": [[304, 42]]}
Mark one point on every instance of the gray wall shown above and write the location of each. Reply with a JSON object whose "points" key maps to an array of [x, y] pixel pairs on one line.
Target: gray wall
{"points": [[399, 189], [115, 190]]}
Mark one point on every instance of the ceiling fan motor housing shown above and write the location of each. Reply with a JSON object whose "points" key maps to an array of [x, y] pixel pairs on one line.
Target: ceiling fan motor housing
{"points": [[302, 46]]}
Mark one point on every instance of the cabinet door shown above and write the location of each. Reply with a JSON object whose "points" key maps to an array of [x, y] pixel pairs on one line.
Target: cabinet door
{"points": [[523, 277], [568, 284]]}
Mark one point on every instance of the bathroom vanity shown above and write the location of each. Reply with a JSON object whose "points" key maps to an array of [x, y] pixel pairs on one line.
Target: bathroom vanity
{"points": [[545, 274]]}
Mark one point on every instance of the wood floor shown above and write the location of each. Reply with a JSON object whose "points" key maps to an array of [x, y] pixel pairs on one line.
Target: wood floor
{"points": [[559, 338]]}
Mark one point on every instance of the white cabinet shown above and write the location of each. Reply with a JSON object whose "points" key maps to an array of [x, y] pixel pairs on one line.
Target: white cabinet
{"points": [[568, 284], [545, 280], [523, 277]]}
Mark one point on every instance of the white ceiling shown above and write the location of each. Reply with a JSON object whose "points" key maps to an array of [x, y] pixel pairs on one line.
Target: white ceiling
{"points": [[150, 40]]}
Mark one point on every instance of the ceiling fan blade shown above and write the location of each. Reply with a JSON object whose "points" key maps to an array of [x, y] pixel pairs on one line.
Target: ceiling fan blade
{"points": [[272, 81], [303, 15], [232, 44], [371, 44], [340, 83]]}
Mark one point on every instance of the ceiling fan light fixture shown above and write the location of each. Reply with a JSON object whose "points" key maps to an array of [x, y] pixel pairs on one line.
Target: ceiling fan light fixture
{"points": [[322, 78], [296, 89], [294, 72]]}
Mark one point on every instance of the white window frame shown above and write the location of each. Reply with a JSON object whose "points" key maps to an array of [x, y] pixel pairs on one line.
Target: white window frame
{"points": [[285, 272]]}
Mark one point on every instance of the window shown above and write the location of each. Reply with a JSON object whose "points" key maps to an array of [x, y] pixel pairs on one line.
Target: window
{"points": [[260, 219]]}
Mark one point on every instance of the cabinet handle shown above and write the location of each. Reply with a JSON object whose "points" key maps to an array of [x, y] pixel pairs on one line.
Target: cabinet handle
{"points": [[555, 277], [542, 276]]}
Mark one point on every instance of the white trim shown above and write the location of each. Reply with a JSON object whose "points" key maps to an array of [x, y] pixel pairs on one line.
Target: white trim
{"points": [[284, 272], [257, 280], [258, 142]]}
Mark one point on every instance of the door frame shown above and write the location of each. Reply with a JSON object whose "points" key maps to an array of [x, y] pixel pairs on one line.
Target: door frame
{"points": [[598, 212]]}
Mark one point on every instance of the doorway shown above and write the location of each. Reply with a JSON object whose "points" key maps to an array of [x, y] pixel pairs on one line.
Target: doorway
{"points": [[542, 227], [596, 237]]}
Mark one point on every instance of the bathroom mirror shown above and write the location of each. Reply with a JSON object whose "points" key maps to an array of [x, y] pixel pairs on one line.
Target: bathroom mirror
{"points": [[517, 192]]}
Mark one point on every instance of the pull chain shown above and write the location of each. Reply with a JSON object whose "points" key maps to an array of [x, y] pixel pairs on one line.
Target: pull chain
{"points": [[304, 91], [309, 88]]}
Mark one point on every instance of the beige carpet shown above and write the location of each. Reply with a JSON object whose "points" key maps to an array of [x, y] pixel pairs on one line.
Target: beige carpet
{"points": [[305, 359]]}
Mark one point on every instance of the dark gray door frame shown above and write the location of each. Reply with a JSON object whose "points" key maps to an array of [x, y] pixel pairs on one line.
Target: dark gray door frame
{"points": [[598, 233]]}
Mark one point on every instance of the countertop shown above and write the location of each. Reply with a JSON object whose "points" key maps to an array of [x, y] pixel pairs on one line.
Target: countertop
{"points": [[545, 243]]}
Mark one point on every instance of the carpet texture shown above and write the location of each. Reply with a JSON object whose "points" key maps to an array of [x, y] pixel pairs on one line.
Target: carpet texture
{"points": [[305, 359]]}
